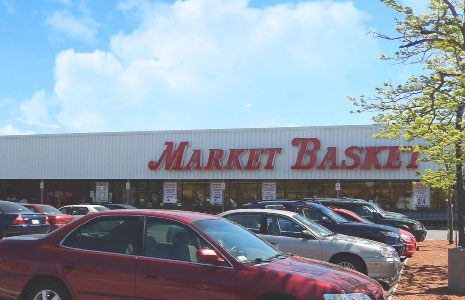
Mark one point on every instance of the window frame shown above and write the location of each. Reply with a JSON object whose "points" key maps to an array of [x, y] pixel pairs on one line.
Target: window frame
{"points": [[79, 227], [278, 216], [182, 224]]}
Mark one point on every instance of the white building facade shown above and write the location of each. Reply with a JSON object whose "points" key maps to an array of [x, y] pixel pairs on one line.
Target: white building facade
{"points": [[207, 168]]}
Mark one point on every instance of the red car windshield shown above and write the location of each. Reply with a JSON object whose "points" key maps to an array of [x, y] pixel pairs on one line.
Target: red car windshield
{"points": [[48, 209]]}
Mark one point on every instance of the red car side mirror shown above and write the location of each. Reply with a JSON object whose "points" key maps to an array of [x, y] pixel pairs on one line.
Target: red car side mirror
{"points": [[209, 256]]}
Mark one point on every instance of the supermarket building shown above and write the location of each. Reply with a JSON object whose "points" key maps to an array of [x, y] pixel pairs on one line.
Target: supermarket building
{"points": [[211, 169]]}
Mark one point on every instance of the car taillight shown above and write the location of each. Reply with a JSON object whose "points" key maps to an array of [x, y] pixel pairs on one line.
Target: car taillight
{"points": [[46, 220], [18, 221]]}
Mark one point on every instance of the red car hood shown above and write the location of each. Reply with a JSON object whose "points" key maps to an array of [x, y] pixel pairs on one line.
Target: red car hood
{"points": [[329, 275]]}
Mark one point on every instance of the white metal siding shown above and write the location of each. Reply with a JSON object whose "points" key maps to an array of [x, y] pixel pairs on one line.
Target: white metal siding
{"points": [[126, 155]]}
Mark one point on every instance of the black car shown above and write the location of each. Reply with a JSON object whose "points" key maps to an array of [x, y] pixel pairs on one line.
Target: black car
{"points": [[119, 206], [15, 219], [375, 214], [329, 219]]}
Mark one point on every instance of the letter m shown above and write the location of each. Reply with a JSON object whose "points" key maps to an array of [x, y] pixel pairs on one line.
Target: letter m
{"points": [[170, 156]]}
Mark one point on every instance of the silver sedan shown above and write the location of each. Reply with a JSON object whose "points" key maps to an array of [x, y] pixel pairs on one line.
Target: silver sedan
{"points": [[293, 233]]}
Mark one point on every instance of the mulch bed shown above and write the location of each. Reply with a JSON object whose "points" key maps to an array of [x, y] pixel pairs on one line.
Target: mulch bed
{"points": [[425, 275]]}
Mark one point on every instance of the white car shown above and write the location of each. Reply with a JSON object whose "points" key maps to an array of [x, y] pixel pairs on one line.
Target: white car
{"points": [[81, 210]]}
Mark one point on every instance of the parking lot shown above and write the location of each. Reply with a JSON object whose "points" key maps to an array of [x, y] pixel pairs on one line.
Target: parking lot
{"points": [[425, 274]]}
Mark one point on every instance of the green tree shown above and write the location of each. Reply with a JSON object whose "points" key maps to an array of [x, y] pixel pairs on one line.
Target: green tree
{"points": [[429, 106]]}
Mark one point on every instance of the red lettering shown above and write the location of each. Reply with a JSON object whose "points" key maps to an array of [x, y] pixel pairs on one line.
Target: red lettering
{"points": [[195, 159], [413, 161], [393, 161], [233, 159], [170, 157], [253, 163], [214, 159], [348, 152], [371, 156], [271, 155], [330, 156], [303, 152]]}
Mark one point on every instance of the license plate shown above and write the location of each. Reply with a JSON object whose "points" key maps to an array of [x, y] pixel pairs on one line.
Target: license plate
{"points": [[35, 222]]}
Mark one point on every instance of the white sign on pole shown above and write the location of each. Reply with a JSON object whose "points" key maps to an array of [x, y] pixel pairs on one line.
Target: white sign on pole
{"points": [[268, 190], [216, 192], [338, 186], [102, 192], [421, 195], [170, 192]]}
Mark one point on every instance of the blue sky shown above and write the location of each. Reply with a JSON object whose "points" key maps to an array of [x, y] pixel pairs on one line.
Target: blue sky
{"points": [[92, 66]]}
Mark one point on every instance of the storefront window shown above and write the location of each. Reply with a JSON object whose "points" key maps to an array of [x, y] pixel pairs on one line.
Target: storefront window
{"points": [[194, 193], [242, 192]]}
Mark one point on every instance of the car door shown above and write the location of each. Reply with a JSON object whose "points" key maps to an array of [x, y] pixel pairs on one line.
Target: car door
{"points": [[287, 235], [98, 258], [168, 269]]}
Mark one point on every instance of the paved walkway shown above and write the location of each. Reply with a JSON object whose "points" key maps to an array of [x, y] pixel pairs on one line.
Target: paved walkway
{"points": [[425, 275]]}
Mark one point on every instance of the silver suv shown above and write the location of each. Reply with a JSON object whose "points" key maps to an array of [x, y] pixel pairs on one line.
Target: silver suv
{"points": [[293, 233]]}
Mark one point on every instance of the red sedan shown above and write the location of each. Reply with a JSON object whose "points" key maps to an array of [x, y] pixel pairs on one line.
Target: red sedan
{"points": [[163, 254], [55, 217], [407, 238]]}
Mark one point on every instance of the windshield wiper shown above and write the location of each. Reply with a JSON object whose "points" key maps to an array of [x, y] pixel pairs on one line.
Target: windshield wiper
{"points": [[260, 260], [279, 255]]}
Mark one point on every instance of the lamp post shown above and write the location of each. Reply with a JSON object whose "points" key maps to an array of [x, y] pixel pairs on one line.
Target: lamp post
{"points": [[42, 185], [128, 188]]}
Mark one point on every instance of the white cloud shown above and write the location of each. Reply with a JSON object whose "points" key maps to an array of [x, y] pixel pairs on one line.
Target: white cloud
{"points": [[190, 62], [10, 130], [73, 27], [35, 111], [248, 106]]}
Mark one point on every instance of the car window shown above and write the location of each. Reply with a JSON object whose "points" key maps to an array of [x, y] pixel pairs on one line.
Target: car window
{"points": [[79, 211], [240, 243], [250, 221], [32, 208], [272, 225], [12, 208], [364, 211], [106, 234], [64, 210], [310, 213], [289, 228], [171, 240], [48, 209], [101, 208]]}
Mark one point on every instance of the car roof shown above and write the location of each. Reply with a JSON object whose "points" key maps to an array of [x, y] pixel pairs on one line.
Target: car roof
{"points": [[175, 214], [83, 205], [336, 200], [291, 202], [260, 210]]}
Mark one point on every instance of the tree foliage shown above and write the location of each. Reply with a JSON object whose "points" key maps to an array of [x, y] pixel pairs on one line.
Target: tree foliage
{"points": [[426, 106], [429, 106]]}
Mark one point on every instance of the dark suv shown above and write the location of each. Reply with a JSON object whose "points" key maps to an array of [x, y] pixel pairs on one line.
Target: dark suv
{"points": [[375, 214], [329, 219]]}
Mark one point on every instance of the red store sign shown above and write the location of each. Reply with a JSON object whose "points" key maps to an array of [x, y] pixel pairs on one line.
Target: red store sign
{"points": [[263, 158]]}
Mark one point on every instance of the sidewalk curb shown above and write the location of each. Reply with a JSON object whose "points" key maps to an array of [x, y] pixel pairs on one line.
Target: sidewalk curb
{"points": [[393, 289]]}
